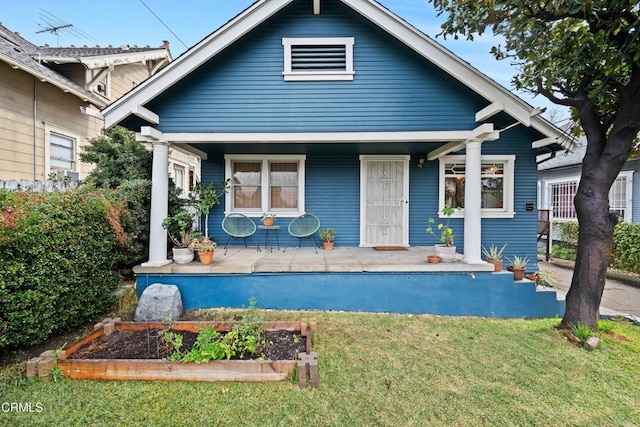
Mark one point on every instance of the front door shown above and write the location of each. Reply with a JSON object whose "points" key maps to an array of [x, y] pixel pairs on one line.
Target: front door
{"points": [[384, 200]]}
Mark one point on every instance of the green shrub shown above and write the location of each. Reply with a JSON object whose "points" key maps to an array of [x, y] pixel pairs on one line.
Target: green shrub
{"points": [[625, 254], [626, 247], [57, 257]]}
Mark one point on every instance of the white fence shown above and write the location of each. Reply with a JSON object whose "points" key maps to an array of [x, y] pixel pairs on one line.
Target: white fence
{"points": [[38, 186]]}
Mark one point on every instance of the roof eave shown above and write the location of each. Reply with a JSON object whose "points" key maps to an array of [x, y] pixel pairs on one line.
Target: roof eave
{"points": [[47, 79]]}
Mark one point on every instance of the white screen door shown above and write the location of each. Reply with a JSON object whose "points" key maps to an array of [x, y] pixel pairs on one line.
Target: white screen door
{"points": [[384, 187]]}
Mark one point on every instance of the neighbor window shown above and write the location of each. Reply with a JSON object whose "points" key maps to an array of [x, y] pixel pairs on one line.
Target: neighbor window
{"points": [[562, 193], [61, 148], [178, 176], [496, 180], [318, 58], [261, 184]]}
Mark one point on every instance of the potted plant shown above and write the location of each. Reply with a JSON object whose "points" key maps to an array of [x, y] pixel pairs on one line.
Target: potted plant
{"points": [[518, 266], [268, 219], [445, 249], [328, 235], [433, 259], [205, 248], [494, 256], [180, 230], [205, 197]]}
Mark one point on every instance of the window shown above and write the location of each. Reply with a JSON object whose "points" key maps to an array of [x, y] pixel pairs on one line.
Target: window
{"points": [[496, 179], [265, 184], [102, 82], [562, 193], [178, 176], [318, 58], [61, 148]]}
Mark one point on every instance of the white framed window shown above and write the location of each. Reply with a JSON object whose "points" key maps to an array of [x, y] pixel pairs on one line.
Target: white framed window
{"points": [[561, 195], [329, 58], [101, 85], [620, 195], [260, 183], [562, 192], [497, 180], [178, 176], [61, 151]]}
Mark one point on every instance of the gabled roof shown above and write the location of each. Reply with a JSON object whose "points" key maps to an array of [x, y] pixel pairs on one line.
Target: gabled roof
{"points": [[500, 99], [18, 53]]}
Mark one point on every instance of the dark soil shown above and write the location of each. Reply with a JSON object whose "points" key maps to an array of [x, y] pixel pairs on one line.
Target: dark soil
{"points": [[280, 345]]}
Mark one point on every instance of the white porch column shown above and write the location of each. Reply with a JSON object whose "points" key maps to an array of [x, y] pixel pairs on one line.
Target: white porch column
{"points": [[159, 205], [473, 202]]}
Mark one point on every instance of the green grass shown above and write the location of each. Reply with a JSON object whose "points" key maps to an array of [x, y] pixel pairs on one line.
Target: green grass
{"points": [[382, 369]]}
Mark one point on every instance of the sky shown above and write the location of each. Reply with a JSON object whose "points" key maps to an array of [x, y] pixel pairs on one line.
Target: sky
{"points": [[185, 23]]}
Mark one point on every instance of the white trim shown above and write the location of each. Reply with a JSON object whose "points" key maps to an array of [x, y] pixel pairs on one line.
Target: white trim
{"points": [[319, 137], [146, 114], [290, 75], [507, 211], [265, 160], [48, 129], [363, 197]]}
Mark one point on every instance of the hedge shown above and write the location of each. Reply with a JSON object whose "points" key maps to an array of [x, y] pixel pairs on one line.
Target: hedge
{"points": [[625, 254], [58, 252]]}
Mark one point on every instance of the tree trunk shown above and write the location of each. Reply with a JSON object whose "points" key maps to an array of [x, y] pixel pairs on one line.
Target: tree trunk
{"points": [[605, 156], [594, 247]]}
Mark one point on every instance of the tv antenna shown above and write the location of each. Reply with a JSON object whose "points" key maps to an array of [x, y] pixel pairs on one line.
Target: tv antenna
{"points": [[54, 25]]}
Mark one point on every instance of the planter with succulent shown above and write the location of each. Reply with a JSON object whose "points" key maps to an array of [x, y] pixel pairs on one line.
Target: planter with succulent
{"points": [[328, 235], [268, 219], [205, 248], [180, 230], [493, 255], [518, 266], [444, 233]]}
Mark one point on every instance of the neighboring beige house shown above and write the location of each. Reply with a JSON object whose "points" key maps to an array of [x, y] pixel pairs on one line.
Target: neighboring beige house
{"points": [[50, 102]]}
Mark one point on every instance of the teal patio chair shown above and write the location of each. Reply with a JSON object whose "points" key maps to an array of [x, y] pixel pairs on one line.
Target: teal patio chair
{"points": [[238, 226], [304, 227]]}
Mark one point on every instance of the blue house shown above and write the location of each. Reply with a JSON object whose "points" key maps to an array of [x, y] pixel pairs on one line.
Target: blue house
{"points": [[342, 109]]}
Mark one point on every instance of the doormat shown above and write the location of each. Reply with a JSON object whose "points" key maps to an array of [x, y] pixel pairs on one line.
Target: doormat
{"points": [[390, 248]]}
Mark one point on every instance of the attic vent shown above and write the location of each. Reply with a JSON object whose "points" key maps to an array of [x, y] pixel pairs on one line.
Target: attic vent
{"points": [[318, 58]]}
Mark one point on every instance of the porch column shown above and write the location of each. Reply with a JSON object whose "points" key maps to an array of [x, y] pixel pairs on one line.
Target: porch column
{"points": [[473, 202], [159, 205]]}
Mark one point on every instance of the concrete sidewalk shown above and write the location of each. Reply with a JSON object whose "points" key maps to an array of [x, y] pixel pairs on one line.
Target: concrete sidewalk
{"points": [[618, 297]]}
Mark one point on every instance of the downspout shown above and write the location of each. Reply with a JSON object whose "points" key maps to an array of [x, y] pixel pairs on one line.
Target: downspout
{"points": [[35, 119]]}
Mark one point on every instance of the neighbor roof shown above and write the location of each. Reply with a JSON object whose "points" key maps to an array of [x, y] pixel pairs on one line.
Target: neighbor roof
{"points": [[19, 54]]}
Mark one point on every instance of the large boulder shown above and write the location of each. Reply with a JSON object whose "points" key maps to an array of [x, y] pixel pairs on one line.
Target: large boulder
{"points": [[159, 303]]}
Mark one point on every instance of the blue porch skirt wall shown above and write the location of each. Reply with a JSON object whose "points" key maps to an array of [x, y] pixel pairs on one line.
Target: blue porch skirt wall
{"points": [[457, 294]]}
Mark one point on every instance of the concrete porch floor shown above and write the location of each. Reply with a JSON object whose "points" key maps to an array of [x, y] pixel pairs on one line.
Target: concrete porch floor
{"points": [[243, 260]]}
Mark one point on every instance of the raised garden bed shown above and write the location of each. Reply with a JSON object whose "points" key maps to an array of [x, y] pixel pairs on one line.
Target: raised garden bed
{"points": [[79, 361]]}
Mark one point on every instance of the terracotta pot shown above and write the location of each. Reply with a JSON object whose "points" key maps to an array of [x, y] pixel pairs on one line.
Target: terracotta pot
{"points": [[497, 264], [182, 255], [433, 259], [268, 222], [518, 273], [328, 246], [446, 253], [205, 257]]}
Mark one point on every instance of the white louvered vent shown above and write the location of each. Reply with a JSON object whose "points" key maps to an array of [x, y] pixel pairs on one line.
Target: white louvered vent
{"points": [[318, 58]]}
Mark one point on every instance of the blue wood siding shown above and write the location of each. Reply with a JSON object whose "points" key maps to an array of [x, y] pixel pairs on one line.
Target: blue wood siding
{"points": [[333, 194], [242, 89]]}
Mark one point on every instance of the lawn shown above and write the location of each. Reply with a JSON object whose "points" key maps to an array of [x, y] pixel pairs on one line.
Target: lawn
{"points": [[380, 369]]}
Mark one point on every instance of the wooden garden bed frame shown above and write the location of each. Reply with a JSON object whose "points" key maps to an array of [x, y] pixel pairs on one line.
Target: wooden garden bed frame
{"points": [[164, 370]]}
